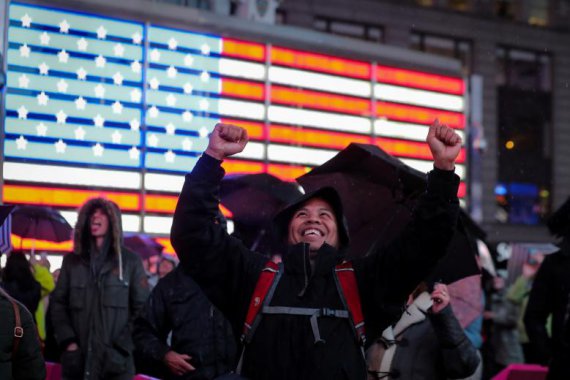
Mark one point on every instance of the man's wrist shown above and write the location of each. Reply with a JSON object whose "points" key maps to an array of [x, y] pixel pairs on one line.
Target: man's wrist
{"points": [[214, 154], [445, 165]]}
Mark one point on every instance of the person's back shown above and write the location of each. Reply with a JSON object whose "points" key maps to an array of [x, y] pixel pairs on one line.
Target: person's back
{"points": [[24, 362], [18, 280]]}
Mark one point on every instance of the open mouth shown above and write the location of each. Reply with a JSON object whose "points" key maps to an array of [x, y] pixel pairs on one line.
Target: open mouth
{"points": [[312, 232]]}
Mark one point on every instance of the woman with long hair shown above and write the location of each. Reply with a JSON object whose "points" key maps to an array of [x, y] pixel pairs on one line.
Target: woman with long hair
{"points": [[18, 281]]}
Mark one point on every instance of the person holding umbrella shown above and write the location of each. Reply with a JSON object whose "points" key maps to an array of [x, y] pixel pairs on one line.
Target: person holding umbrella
{"points": [[306, 326]]}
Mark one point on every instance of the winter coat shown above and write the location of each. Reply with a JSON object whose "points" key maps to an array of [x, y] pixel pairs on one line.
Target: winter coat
{"points": [[29, 295], [550, 294], [44, 277], [423, 346], [178, 305], [28, 363], [504, 334], [283, 346], [96, 310]]}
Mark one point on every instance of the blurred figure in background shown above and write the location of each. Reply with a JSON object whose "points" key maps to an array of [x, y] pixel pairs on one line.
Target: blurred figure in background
{"points": [[102, 286], [19, 282], [44, 277], [164, 266]]}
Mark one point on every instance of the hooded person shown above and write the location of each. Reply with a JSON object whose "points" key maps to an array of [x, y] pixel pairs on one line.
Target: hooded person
{"points": [[101, 288], [305, 329]]}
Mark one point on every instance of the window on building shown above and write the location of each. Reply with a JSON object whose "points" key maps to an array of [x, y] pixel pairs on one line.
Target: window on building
{"points": [[445, 46], [364, 31]]}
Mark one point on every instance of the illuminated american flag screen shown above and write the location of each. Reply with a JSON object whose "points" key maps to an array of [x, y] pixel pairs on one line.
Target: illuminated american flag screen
{"points": [[101, 106]]}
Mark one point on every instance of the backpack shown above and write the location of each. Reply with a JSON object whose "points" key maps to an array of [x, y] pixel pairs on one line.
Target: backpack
{"points": [[18, 330], [266, 285]]}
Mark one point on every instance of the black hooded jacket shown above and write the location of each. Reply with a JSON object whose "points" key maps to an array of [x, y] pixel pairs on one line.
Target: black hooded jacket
{"points": [[283, 346]]}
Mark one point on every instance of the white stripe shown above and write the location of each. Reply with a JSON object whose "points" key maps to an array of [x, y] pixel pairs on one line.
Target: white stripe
{"points": [[419, 97], [253, 150], [321, 82], [157, 224], [240, 108], [330, 121], [299, 155], [426, 166], [71, 176], [163, 182], [241, 69], [130, 222], [394, 129]]}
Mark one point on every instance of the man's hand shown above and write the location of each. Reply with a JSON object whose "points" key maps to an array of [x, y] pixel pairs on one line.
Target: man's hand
{"points": [[444, 144], [226, 140], [177, 363], [440, 297]]}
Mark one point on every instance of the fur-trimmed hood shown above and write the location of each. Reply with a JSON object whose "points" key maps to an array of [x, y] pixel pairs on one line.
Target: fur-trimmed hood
{"points": [[82, 233]]}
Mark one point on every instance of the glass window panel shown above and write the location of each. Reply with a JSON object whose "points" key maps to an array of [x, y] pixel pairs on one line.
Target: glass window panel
{"points": [[348, 29]]}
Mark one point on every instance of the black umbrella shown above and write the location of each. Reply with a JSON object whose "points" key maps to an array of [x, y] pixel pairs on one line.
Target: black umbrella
{"points": [[40, 223], [143, 245]]}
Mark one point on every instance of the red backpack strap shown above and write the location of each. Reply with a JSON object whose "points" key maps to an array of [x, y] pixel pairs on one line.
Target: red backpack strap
{"points": [[348, 290], [262, 294]]}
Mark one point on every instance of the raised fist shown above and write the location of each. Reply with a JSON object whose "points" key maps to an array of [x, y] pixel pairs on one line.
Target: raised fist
{"points": [[226, 140], [445, 145]]}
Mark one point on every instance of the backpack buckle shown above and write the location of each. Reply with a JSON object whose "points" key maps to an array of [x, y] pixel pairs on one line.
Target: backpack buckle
{"points": [[326, 312], [18, 332]]}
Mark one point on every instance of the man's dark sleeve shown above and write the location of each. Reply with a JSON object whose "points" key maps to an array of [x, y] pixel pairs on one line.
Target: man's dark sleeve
{"points": [[28, 363]]}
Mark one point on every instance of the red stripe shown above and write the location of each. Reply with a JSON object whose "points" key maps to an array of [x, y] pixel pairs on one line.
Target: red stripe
{"points": [[243, 89], [419, 115], [320, 62], [417, 79], [287, 172], [242, 49], [410, 149], [255, 130], [316, 138], [462, 191]]}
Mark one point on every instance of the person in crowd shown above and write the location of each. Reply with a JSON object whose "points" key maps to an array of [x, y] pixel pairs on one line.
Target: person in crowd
{"points": [[182, 333], [20, 353], [165, 265], [43, 276], [426, 343], [305, 331], [101, 288], [19, 282]]}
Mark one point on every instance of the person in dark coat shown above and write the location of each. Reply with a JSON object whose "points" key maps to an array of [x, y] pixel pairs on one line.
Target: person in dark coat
{"points": [[287, 346], [24, 362], [101, 288], [18, 280], [427, 343], [201, 345]]}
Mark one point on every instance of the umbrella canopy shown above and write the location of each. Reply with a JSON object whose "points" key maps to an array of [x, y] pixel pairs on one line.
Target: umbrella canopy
{"points": [[466, 298], [40, 223], [143, 245]]}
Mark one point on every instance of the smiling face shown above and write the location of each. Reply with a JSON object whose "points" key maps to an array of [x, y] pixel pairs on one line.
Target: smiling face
{"points": [[314, 223], [99, 223]]}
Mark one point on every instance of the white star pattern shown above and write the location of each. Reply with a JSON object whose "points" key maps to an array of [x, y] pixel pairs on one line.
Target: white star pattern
{"points": [[171, 72], [188, 60], [118, 78], [154, 55], [205, 49], [82, 44], [204, 104], [98, 121], [119, 50], [79, 133], [61, 117], [25, 51], [100, 61], [154, 83], [43, 99], [62, 86], [41, 129], [44, 68], [98, 150], [64, 27], [117, 107], [135, 124], [21, 143], [171, 100], [205, 76], [136, 67], [63, 56], [187, 144], [152, 140], [22, 113], [187, 116], [99, 91], [26, 21], [170, 129], [44, 38], [116, 137], [80, 103], [134, 153], [81, 74], [169, 156], [153, 112], [172, 43], [101, 33], [188, 88], [60, 146], [136, 95], [137, 38], [204, 132], [23, 81]]}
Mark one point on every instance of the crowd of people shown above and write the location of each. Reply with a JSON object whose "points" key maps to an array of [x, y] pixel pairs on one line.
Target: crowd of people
{"points": [[226, 312]]}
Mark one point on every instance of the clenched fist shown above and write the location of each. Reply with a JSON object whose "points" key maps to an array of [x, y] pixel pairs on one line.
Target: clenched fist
{"points": [[444, 144], [226, 140]]}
